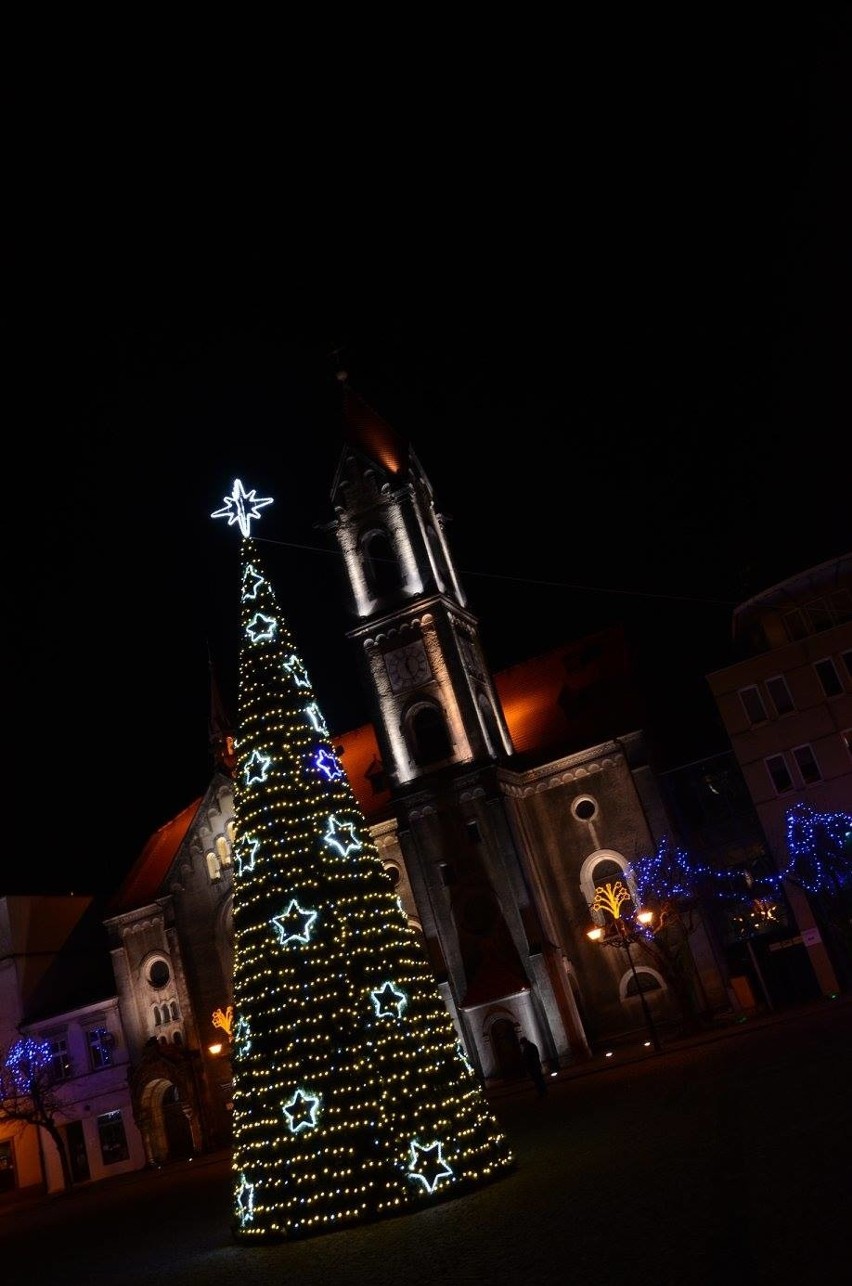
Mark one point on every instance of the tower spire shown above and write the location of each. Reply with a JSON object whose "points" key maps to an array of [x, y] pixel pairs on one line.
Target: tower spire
{"points": [[220, 726]]}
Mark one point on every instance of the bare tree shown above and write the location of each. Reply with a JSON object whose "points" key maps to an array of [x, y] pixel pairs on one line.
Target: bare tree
{"points": [[28, 1094]]}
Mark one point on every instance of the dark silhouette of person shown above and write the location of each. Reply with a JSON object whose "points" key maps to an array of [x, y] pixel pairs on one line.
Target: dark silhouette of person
{"points": [[532, 1059]]}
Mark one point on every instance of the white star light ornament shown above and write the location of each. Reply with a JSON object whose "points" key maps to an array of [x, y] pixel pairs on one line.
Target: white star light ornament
{"points": [[302, 1111], [427, 1165], [256, 768], [294, 924], [389, 1001], [341, 836], [242, 1037], [241, 506], [245, 1201], [252, 581]]}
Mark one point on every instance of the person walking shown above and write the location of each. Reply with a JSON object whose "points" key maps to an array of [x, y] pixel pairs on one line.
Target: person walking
{"points": [[532, 1059]]}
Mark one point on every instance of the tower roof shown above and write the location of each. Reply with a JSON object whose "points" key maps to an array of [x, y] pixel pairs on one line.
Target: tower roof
{"points": [[367, 432]]}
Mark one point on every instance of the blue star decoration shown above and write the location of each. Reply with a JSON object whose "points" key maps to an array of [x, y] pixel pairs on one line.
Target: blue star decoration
{"points": [[326, 763], [261, 629], [242, 1036], [246, 854], [294, 924], [256, 767], [341, 835], [296, 667], [245, 1200], [242, 507], [317, 721], [252, 581], [427, 1164], [389, 1001], [302, 1111]]}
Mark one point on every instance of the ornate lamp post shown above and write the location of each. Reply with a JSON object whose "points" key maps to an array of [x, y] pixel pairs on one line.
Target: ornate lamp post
{"points": [[623, 933]]}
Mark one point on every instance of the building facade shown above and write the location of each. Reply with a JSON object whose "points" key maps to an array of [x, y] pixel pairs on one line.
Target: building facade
{"points": [[786, 704]]}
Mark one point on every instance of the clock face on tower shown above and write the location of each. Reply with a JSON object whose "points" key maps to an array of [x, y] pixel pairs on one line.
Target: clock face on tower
{"points": [[407, 667]]}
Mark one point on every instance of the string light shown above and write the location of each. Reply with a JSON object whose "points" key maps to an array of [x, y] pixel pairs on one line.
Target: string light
{"points": [[353, 1097]]}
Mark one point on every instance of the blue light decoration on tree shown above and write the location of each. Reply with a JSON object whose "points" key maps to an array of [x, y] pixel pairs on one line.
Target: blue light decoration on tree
{"points": [[353, 1097], [25, 1062], [820, 848]]}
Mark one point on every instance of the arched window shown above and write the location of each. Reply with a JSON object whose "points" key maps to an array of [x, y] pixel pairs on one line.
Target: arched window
{"points": [[381, 566], [605, 866], [430, 740], [647, 981]]}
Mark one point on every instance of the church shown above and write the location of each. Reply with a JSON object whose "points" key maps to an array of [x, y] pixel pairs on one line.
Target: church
{"points": [[499, 802]]}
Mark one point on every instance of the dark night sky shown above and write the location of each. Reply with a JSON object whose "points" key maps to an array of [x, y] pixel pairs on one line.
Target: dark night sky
{"points": [[613, 321]]}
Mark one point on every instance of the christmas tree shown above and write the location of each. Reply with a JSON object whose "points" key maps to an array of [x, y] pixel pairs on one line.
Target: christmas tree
{"points": [[353, 1096]]}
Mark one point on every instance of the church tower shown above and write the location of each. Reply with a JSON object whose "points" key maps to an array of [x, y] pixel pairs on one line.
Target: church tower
{"points": [[443, 740]]}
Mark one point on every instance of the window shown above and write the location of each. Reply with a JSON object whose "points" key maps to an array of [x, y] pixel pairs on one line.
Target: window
{"points": [[840, 603], [380, 563], [431, 739], [60, 1063], [819, 615], [584, 808], [753, 705], [100, 1042], [375, 774], [807, 764], [643, 981], [159, 973], [795, 625], [780, 774], [113, 1139], [828, 677], [780, 694]]}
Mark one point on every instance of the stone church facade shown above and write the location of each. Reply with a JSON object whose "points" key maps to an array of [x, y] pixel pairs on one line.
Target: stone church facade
{"points": [[499, 802]]}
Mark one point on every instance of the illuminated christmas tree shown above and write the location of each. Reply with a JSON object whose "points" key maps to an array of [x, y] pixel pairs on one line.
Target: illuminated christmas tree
{"points": [[353, 1096]]}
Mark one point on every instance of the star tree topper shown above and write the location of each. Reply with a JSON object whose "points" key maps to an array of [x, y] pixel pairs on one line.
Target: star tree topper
{"points": [[242, 507]]}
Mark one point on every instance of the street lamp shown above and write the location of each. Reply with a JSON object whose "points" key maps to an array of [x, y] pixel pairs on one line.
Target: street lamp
{"points": [[611, 898]]}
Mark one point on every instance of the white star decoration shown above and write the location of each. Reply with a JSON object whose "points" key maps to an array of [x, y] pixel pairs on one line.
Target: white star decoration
{"points": [[315, 715], [245, 1200], [241, 506], [341, 835], [242, 1036], [428, 1165], [256, 768], [261, 629], [388, 999], [460, 1050], [294, 924], [302, 1111], [252, 581], [245, 859], [297, 669]]}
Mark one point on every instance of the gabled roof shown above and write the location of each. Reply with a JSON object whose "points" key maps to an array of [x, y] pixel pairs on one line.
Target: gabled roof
{"points": [[67, 943], [145, 879], [562, 701]]}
